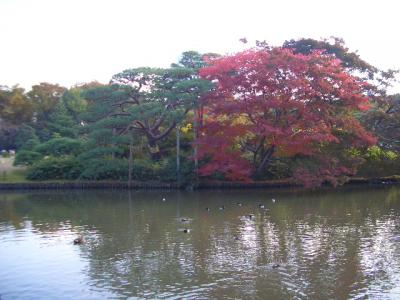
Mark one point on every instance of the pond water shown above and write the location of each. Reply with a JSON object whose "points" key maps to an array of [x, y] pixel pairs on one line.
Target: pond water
{"points": [[326, 244]]}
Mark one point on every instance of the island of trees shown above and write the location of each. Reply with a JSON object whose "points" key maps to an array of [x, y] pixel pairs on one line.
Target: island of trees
{"points": [[310, 110]]}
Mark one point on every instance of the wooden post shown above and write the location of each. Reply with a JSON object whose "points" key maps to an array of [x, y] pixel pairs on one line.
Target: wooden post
{"points": [[130, 162], [196, 161], [178, 159]]}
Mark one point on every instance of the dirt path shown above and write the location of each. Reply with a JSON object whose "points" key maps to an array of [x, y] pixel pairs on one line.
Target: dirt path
{"points": [[6, 164]]}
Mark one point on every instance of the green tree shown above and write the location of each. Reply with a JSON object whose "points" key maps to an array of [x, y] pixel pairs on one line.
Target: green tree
{"points": [[44, 98], [15, 110], [15, 107], [158, 99], [26, 134], [74, 101], [351, 61], [61, 123], [384, 120]]}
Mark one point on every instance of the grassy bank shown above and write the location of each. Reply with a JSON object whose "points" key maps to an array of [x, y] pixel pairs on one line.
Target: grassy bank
{"points": [[10, 173]]}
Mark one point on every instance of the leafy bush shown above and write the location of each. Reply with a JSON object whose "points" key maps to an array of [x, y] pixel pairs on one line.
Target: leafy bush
{"points": [[65, 167], [26, 157], [98, 169], [144, 169], [377, 162], [5, 154], [61, 146], [30, 144], [163, 170]]}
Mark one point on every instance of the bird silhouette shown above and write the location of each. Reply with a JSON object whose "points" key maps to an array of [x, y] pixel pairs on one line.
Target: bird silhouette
{"points": [[78, 241]]}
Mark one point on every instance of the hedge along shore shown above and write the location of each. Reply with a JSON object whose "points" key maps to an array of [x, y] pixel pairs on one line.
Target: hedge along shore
{"points": [[83, 185]]}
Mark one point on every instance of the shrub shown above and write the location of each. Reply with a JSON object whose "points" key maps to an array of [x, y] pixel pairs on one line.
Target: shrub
{"points": [[29, 145], [60, 146], [65, 167], [99, 169], [168, 170], [26, 157], [144, 169], [379, 163]]}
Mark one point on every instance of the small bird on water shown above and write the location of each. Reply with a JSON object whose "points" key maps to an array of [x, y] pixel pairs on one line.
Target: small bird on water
{"points": [[163, 199], [261, 205], [186, 230], [222, 207], [208, 209], [275, 266], [239, 204], [273, 200], [78, 241]]}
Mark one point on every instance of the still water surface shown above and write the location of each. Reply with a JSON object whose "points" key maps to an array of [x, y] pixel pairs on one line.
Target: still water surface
{"points": [[329, 244]]}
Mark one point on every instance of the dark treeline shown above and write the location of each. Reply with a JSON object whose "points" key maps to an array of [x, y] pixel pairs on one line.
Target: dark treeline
{"points": [[310, 110]]}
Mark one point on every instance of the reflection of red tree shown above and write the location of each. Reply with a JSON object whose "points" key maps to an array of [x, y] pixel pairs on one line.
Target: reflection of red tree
{"points": [[273, 103]]}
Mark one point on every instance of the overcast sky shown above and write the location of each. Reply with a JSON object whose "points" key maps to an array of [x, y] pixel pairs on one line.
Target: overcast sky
{"points": [[72, 41]]}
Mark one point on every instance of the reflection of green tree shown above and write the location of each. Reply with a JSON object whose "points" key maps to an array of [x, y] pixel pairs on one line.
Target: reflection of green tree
{"points": [[322, 239], [7, 211]]}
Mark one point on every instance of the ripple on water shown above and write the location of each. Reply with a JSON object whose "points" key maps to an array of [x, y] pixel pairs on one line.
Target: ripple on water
{"points": [[327, 246]]}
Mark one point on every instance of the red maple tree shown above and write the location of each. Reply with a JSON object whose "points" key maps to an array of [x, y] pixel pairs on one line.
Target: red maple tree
{"points": [[271, 102]]}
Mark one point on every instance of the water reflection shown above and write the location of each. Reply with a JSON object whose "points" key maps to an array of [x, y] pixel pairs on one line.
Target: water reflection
{"points": [[322, 245]]}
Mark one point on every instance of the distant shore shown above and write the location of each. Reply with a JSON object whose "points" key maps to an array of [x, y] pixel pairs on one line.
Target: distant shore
{"points": [[285, 183]]}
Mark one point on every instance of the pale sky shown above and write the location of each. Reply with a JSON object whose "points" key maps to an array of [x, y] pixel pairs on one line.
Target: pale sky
{"points": [[74, 41]]}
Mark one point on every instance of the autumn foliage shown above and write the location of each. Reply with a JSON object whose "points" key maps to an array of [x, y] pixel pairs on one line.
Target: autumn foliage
{"points": [[271, 103]]}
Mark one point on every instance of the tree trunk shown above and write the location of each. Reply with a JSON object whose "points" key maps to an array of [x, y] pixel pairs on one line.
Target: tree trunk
{"points": [[130, 164], [114, 132], [265, 159], [154, 150], [178, 159], [195, 150]]}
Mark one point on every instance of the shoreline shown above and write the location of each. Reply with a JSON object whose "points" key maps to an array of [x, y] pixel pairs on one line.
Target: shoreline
{"points": [[150, 185]]}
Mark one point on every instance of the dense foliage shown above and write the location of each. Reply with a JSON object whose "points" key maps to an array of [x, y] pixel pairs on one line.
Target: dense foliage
{"points": [[310, 110], [274, 103]]}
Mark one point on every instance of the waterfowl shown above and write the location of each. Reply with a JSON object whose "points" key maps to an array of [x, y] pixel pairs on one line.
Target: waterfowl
{"points": [[239, 204], [261, 206], [186, 230], [275, 266], [273, 200], [184, 220], [208, 209], [163, 199], [222, 207], [78, 241]]}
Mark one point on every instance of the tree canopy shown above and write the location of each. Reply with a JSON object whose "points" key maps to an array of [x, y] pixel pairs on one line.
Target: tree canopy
{"points": [[274, 102], [309, 110]]}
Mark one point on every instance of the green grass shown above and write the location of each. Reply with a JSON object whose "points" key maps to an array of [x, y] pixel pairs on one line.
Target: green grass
{"points": [[13, 176], [18, 176]]}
